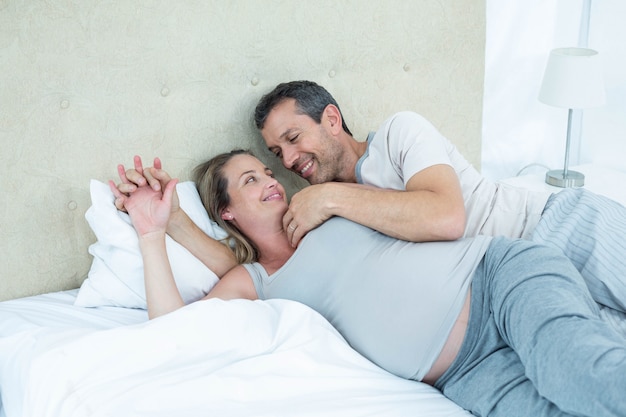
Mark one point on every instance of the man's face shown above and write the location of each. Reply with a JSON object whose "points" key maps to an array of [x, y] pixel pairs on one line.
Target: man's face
{"points": [[304, 146]]}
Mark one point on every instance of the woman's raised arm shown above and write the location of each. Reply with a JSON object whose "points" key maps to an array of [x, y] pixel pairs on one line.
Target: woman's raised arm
{"points": [[217, 256], [149, 211]]}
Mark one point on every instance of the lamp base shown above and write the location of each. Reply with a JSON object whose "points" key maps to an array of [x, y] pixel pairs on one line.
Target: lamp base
{"points": [[573, 178]]}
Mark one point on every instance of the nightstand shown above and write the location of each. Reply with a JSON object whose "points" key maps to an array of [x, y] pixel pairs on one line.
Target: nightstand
{"points": [[601, 180]]}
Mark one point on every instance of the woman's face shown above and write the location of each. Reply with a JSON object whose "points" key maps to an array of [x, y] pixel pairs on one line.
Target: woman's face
{"points": [[254, 192]]}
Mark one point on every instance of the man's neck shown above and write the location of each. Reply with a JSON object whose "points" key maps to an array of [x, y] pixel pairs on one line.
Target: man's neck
{"points": [[353, 151], [360, 148]]}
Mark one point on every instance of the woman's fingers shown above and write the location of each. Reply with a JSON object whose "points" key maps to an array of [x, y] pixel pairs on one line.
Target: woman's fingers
{"points": [[120, 198], [138, 164], [169, 191], [121, 172], [153, 181], [137, 177]]}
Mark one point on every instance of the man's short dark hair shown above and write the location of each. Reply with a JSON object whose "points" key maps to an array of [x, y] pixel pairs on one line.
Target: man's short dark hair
{"points": [[311, 100]]}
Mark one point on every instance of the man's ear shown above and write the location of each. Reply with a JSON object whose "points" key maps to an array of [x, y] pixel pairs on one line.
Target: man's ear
{"points": [[333, 116], [226, 215]]}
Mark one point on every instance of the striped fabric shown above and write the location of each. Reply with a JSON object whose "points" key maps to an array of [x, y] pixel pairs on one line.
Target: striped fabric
{"points": [[591, 230]]}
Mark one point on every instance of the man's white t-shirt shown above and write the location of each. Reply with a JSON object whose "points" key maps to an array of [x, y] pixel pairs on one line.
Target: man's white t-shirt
{"points": [[407, 143]]}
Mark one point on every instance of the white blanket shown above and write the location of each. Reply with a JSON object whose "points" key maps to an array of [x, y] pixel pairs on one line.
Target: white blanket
{"points": [[213, 358]]}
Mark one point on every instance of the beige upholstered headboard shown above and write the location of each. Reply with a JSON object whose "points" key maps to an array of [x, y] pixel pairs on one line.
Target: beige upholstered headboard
{"points": [[86, 85]]}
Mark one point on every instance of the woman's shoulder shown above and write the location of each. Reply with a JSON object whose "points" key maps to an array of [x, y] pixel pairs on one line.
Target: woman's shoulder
{"points": [[252, 269], [236, 283]]}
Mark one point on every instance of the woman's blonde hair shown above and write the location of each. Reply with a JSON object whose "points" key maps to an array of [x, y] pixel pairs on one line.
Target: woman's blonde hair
{"points": [[213, 189]]}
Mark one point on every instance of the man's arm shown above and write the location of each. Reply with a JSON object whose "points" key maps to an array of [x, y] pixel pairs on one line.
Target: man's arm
{"points": [[430, 209]]}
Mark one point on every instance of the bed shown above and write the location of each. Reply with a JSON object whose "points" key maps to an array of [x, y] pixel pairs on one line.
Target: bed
{"points": [[235, 358], [92, 350], [87, 85]]}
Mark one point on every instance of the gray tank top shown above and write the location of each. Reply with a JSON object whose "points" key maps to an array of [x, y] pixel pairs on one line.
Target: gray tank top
{"points": [[394, 301]]}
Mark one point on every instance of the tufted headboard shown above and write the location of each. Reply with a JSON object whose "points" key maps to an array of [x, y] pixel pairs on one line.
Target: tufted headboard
{"points": [[86, 85]]}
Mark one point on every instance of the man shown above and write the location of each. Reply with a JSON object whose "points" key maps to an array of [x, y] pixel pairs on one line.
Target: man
{"points": [[410, 182]]}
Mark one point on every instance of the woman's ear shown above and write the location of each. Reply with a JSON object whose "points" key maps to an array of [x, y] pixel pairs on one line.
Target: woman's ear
{"points": [[226, 215]]}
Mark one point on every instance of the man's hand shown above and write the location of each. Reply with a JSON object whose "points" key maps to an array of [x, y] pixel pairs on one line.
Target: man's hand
{"points": [[430, 209], [308, 209]]}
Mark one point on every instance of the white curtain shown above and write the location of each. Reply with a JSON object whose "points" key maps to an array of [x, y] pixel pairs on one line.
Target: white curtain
{"points": [[522, 135]]}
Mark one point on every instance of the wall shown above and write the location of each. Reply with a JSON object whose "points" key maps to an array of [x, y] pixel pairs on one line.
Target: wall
{"points": [[88, 84]]}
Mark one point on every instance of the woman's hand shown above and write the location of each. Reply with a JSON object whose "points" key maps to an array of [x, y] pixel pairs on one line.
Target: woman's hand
{"points": [[149, 209], [155, 177]]}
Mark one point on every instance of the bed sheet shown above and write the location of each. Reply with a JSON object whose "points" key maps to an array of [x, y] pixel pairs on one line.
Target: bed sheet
{"points": [[25, 321], [227, 358], [57, 310]]}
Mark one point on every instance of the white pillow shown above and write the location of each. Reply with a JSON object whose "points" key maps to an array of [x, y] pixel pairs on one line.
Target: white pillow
{"points": [[116, 274]]}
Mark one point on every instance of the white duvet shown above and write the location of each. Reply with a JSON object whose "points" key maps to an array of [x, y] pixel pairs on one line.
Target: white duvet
{"points": [[213, 358]]}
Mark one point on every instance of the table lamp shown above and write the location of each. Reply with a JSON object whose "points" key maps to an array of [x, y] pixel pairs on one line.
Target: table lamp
{"points": [[572, 80]]}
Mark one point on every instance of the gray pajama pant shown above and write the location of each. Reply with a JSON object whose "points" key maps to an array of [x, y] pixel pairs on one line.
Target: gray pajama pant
{"points": [[535, 345], [591, 231]]}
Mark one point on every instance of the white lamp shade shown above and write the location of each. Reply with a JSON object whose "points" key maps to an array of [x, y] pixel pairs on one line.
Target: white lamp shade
{"points": [[573, 79]]}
